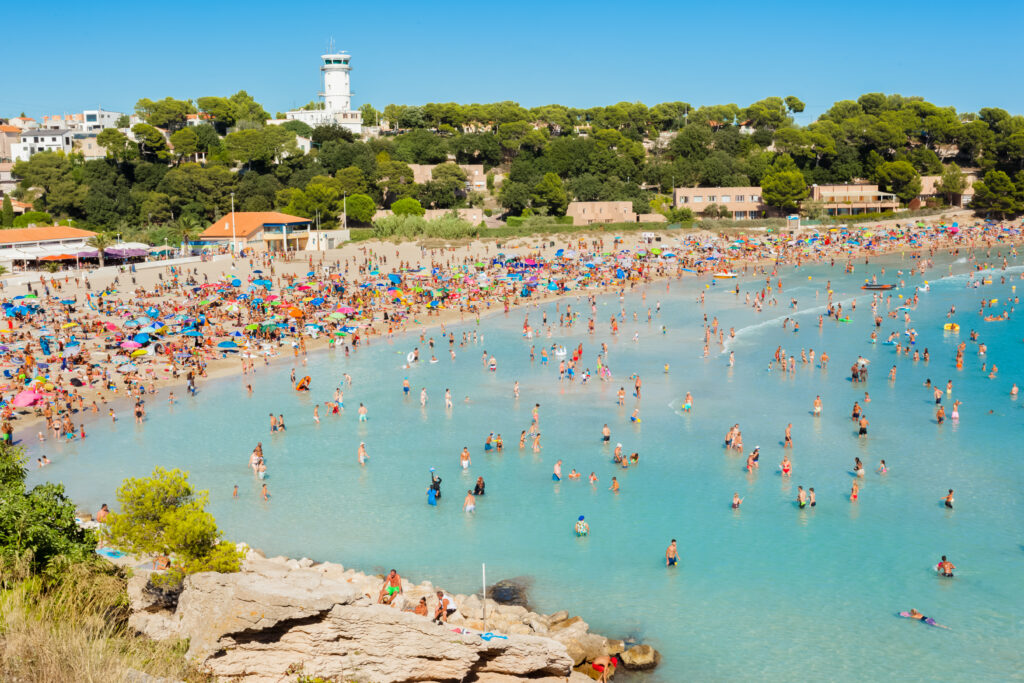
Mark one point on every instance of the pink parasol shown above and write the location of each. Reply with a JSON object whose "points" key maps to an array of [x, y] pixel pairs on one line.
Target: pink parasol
{"points": [[27, 398]]}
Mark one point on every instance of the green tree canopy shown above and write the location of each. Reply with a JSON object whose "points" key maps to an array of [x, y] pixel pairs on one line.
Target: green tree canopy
{"points": [[152, 145], [360, 208], [163, 513], [407, 206], [7, 213], [784, 189], [167, 113], [185, 143], [996, 194], [900, 178], [952, 182], [39, 218]]}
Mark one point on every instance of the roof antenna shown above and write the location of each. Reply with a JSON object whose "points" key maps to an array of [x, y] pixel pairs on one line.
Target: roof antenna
{"points": [[330, 47]]}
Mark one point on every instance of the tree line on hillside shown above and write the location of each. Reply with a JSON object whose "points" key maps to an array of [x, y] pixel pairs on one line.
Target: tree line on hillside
{"points": [[174, 176]]}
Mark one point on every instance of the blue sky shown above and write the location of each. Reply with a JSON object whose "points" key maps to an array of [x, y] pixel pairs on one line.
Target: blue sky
{"points": [[578, 54]]}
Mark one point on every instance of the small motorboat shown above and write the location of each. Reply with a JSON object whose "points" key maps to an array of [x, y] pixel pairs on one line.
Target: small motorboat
{"points": [[878, 287]]}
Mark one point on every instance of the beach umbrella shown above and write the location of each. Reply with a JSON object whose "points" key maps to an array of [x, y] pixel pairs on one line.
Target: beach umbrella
{"points": [[27, 398], [140, 352], [130, 345], [126, 368], [141, 338], [252, 326], [192, 333], [227, 345]]}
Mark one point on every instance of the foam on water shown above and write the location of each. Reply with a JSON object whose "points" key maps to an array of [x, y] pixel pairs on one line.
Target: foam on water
{"points": [[761, 593]]}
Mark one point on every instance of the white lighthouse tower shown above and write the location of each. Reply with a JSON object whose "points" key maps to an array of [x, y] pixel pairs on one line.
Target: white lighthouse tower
{"points": [[337, 96]]}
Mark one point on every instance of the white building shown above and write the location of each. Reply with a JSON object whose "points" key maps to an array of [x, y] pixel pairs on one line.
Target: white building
{"points": [[337, 96], [89, 121], [35, 141]]}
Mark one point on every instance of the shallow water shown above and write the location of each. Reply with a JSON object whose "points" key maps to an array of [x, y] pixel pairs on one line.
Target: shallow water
{"points": [[766, 592]]}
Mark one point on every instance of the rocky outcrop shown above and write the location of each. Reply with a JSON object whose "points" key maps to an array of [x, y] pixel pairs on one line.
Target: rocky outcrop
{"points": [[279, 619]]}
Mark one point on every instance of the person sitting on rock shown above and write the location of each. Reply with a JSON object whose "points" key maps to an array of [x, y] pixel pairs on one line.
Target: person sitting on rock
{"points": [[445, 607], [392, 587]]}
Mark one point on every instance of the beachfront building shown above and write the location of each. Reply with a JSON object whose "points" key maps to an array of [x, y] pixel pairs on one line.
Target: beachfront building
{"points": [[50, 243], [259, 230], [852, 199], [588, 213], [930, 193], [337, 97], [740, 202], [35, 141]]}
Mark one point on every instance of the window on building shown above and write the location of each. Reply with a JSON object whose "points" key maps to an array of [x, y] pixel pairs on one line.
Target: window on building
{"points": [[755, 197], [726, 199], [685, 200], [711, 197], [740, 198], [698, 199]]}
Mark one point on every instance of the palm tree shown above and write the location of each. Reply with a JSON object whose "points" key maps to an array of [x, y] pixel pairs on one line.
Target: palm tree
{"points": [[99, 242], [187, 227]]}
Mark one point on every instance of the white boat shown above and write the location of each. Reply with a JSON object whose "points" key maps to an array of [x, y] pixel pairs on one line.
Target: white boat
{"points": [[725, 274]]}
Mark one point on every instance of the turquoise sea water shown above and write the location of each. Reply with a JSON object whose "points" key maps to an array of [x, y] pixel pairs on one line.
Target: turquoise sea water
{"points": [[768, 592]]}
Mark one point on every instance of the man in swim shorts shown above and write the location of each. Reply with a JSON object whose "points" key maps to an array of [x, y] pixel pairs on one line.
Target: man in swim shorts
{"points": [[392, 587], [945, 567], [671, 554], [469, 505]]}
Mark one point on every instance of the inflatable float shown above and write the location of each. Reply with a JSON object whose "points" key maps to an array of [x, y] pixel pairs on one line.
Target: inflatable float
{"points": [[877, 287], [725, 274], [303, 384], [953, 327]]}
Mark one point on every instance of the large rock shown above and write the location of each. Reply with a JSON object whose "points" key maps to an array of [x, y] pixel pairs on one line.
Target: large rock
{"points": [[640, 658], [510, 592], [276, 622]]}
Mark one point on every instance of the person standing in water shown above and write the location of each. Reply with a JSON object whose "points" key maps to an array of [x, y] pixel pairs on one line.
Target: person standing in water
{"points": [[469, 504], [736, 501], [801, 497], [949, 499], [556, 475], [672, 554]]}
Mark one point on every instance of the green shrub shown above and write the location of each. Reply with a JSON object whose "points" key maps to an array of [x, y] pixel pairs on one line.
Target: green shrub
{"points": [[38, 532], [40, 218]]}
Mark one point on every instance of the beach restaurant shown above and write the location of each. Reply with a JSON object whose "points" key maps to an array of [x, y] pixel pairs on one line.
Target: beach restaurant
{"points": [[52, 243], [261, 230]]}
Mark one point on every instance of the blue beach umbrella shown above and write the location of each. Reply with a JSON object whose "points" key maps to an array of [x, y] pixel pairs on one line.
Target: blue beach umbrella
{"points": [[227, 345]]}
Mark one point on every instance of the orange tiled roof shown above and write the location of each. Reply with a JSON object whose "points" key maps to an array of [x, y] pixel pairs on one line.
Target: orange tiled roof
{"points": [[248, 223], [10, 129], [53, 232]]}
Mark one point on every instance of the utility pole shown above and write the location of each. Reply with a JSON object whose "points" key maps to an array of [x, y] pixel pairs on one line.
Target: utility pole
{"points": [[234, 247]]}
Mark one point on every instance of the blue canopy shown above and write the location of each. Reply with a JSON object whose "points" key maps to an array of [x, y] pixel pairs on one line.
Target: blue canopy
{"points": [[395, 279]]}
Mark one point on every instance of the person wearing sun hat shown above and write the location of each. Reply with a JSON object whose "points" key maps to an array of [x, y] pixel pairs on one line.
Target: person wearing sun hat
{"points": [[582, 528]]}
